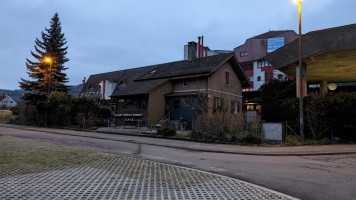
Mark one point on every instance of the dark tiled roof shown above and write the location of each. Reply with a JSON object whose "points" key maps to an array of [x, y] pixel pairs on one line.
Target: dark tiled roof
{"points": [[142, 80], [127, 76], [185, 67], [2, 97], [139, 87], [16, 97], [223, 51], [269, 34]]}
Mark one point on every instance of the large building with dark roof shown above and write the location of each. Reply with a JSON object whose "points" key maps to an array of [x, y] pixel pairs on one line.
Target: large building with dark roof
{"points": [[149, 94], [251, 56]]}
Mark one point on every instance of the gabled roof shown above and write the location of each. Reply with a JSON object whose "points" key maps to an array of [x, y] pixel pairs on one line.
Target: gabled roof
{"points": [[127, 76], [144, 79], [140, 87], [11, 98], [185, 67], [269, 34]]}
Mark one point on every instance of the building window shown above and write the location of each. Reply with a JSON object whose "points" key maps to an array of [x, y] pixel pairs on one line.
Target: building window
{"points": [[280, 76], [227, 78], [250, 107], [258, 78], [259, 65], [185, 82], [245, 53], [218, 103], [141, 103], [234, 107]]}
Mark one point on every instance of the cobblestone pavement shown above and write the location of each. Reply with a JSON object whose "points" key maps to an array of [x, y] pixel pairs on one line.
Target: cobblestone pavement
{"points": [[108, 176]]}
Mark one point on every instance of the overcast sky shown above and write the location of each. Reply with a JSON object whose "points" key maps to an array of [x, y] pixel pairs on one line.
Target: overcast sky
{"points": [[111, 35]]}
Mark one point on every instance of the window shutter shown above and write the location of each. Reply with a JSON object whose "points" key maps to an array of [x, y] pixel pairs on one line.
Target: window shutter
{"points": [[227, 78], [214, 104]]}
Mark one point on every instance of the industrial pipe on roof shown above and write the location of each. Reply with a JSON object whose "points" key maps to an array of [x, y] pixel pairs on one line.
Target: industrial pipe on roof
{"points": [[199, 47], [202, 46]]}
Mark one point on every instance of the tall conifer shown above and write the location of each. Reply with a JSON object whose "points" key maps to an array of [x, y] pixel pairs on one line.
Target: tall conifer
{"points": [[47, 76]]}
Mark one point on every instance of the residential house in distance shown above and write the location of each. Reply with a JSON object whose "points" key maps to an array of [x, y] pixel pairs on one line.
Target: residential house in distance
{"points": [[7, 101], [175, 90], [259, 71]]}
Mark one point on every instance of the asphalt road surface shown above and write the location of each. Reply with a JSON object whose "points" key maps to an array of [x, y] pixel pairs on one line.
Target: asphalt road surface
{"points": [[304, 177]]}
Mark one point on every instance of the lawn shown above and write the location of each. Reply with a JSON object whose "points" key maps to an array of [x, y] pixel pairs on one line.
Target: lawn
{"points": [[20, 156]]}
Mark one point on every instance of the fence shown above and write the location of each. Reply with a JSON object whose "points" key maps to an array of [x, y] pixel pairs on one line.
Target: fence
{"points": [[311, 131]]}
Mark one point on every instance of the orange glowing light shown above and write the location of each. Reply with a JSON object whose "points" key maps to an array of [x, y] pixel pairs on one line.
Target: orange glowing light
{"points": [[47, 59]]}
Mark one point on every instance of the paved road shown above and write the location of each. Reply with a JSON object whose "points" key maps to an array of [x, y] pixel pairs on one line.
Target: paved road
{"points": [[305, 177]]}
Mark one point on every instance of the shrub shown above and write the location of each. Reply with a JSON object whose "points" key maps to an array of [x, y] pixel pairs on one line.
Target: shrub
{"points": [[278, 101], [322, 141], [5, 115], [61, 109], [251, 139], [166, 131], [315, 115], [221, 127], [333, 112], [292, 140], [58, 108]]}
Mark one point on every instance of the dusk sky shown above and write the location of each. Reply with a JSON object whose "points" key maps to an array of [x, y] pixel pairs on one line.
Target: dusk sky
{"points": [[111, 35]]}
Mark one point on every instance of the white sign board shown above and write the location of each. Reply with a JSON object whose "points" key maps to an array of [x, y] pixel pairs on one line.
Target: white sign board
{"points": [[272, 131]]}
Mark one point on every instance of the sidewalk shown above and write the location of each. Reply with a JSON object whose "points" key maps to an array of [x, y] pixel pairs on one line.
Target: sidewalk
{"points": [[116, 135]]}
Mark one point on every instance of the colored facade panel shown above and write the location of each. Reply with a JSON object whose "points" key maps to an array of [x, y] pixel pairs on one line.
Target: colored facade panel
{"points": [[274, 43]]}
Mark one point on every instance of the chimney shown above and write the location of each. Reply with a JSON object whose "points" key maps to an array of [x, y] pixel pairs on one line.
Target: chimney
{"points": [[192, 51], [202, 47], [199, 47], [83, 82]]}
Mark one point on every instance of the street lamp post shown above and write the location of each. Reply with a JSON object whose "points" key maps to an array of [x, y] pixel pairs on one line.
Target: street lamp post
{"points": [[49, 60], [300, 72]]}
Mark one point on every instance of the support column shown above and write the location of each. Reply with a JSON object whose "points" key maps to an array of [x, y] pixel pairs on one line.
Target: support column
{"points": [[323, 87], [304, 80]]}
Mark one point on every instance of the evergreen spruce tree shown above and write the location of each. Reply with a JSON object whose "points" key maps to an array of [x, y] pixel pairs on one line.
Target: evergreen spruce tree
{"points": [[47, 76]]}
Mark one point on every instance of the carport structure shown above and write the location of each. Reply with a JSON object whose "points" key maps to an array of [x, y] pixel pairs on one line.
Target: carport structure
{"points": [[329, 56]]}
